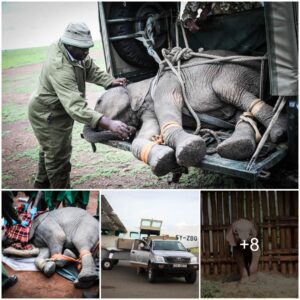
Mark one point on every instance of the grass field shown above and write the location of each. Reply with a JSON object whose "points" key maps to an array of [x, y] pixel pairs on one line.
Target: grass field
{"points": [[107, 168]]}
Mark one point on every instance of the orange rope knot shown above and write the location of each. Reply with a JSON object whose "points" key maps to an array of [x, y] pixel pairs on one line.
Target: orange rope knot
{"points": [[158, 139]]}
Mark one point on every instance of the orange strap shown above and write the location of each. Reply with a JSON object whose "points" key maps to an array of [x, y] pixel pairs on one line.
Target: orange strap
{"points": [[146, 150], [58, 256], [167, 126], [83, 253]]}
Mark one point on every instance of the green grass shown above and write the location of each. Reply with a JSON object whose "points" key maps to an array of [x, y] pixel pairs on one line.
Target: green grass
{"points": [[22, 57], [33, 154], [12, 113]]}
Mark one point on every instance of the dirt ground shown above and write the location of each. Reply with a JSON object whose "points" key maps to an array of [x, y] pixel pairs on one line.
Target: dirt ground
{"points": [[267, 285], [36, 285]]}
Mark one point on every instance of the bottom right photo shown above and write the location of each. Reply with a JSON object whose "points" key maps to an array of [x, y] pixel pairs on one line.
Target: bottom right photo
{"points": [[249, 244]]}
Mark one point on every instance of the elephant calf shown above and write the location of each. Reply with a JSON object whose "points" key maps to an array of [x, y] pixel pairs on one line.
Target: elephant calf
{"points": [[57, 231], [228, 91], [240, 232]]}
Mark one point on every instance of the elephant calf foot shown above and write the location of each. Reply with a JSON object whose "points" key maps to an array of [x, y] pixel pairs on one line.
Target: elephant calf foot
{"points": [[88, 271], [190, 149], [161, 158], [47, 267], [241, 145]]}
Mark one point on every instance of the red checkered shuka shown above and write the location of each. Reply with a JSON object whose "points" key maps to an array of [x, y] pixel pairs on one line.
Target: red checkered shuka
{"points": [[17, 232]]}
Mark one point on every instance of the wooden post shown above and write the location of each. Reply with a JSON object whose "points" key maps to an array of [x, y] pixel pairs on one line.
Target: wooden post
{"points": [[206, 246], [227, 223], [215, 236], [222, 267], [282, 240], [274, 230], [265, 239]]}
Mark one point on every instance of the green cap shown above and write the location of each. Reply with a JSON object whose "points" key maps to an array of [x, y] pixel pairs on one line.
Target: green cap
{"points": [[78, 34]]}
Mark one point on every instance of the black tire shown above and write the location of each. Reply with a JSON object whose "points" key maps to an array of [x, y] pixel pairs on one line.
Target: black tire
{"points": [[191, 278], [130, 50], [115, 262], [152, 274], [107, 264]]}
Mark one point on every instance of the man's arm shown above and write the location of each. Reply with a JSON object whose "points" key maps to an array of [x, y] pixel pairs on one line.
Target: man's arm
{"points": [[95, 75]]}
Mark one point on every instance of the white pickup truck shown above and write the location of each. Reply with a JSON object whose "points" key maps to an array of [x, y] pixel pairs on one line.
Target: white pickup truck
{"points": [[164, 258]]}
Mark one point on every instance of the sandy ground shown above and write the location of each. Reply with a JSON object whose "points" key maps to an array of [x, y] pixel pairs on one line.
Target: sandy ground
{"points": [[36, 285], [267, 285], [123, 282]]}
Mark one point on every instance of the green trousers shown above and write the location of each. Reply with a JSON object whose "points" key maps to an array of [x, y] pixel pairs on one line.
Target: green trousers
{"points": [[69, 198], [54, 134]]}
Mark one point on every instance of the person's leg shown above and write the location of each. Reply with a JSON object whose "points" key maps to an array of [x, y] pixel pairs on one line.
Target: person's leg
{"points": [[54, 134], [57, 158], [41, 179]]}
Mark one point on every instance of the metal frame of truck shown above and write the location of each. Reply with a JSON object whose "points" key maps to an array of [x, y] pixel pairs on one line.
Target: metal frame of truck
{"points": [[281, 22]]}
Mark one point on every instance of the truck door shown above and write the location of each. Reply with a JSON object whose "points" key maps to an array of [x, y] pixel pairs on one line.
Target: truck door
{"points": [[139, 255]]}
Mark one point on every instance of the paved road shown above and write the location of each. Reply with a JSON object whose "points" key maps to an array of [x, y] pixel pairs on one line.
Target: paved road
{"points": [[123, 282]]}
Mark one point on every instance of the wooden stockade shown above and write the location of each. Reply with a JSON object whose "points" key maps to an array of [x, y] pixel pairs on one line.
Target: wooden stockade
{"points": [[276, 214]]}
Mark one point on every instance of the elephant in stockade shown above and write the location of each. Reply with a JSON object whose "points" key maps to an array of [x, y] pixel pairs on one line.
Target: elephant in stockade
{"points": [[247, 257], [154, 106], [60, 231]]}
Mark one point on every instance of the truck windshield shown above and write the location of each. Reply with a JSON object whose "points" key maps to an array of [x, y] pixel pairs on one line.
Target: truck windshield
{"points": [[168, 245]]}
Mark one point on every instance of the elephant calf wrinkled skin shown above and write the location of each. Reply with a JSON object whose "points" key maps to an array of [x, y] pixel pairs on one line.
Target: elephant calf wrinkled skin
{"points": [[63, 231], [243, 230], [224, 90]]}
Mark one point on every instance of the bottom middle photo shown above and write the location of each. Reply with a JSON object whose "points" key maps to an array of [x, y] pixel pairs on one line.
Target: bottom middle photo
{"points": [[150, 244]]}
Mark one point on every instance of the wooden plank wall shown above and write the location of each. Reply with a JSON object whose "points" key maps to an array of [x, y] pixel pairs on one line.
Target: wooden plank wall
{"points": [[276, 214]]}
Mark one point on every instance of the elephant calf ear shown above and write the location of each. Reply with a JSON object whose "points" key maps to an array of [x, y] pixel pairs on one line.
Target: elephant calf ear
{"points": [[230, 237]]}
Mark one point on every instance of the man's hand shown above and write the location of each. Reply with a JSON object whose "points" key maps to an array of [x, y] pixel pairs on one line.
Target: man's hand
{"points": [[191, 25], [119, 82], [118, 127]]}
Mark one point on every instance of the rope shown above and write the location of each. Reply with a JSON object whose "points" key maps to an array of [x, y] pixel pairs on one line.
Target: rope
{"points": [[176, 55], [281, 102], [248, 118]]}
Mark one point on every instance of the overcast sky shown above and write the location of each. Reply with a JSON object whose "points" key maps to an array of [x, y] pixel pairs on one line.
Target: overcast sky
{"points": [[179, 210], [35, 24]]}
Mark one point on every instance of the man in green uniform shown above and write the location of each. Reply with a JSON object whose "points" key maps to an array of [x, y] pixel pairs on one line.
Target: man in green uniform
{"points": [[60, 99], [190, 13]]}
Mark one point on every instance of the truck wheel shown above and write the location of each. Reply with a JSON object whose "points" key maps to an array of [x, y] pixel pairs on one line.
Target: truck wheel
{"points": [[131, 50], [191, 278], [107, 264], [152, 275]]}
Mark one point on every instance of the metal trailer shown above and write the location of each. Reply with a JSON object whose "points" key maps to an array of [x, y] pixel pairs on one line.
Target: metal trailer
{"points": [[272, 29]]}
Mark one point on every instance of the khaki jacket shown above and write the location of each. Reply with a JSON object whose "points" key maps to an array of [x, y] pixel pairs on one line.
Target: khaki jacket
{"points": [[61, 89]]}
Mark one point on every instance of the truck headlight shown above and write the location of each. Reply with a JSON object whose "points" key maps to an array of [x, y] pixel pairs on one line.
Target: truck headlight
{"points": [[194, 260], [159, 259]]}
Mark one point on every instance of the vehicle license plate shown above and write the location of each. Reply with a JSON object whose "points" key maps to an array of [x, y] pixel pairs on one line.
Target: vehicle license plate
{"points": [[179, 266]]}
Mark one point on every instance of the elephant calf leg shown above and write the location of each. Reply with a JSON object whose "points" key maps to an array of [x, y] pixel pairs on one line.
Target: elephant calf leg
{"points": [[160, 158], [88, 269], [41, 262]]}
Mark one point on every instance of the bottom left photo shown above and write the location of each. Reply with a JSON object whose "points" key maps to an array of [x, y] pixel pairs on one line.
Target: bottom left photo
{"points": [[50, 244]]}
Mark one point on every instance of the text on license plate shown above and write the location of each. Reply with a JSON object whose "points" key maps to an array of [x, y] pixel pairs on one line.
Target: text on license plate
{"points": [[179, 266]]}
